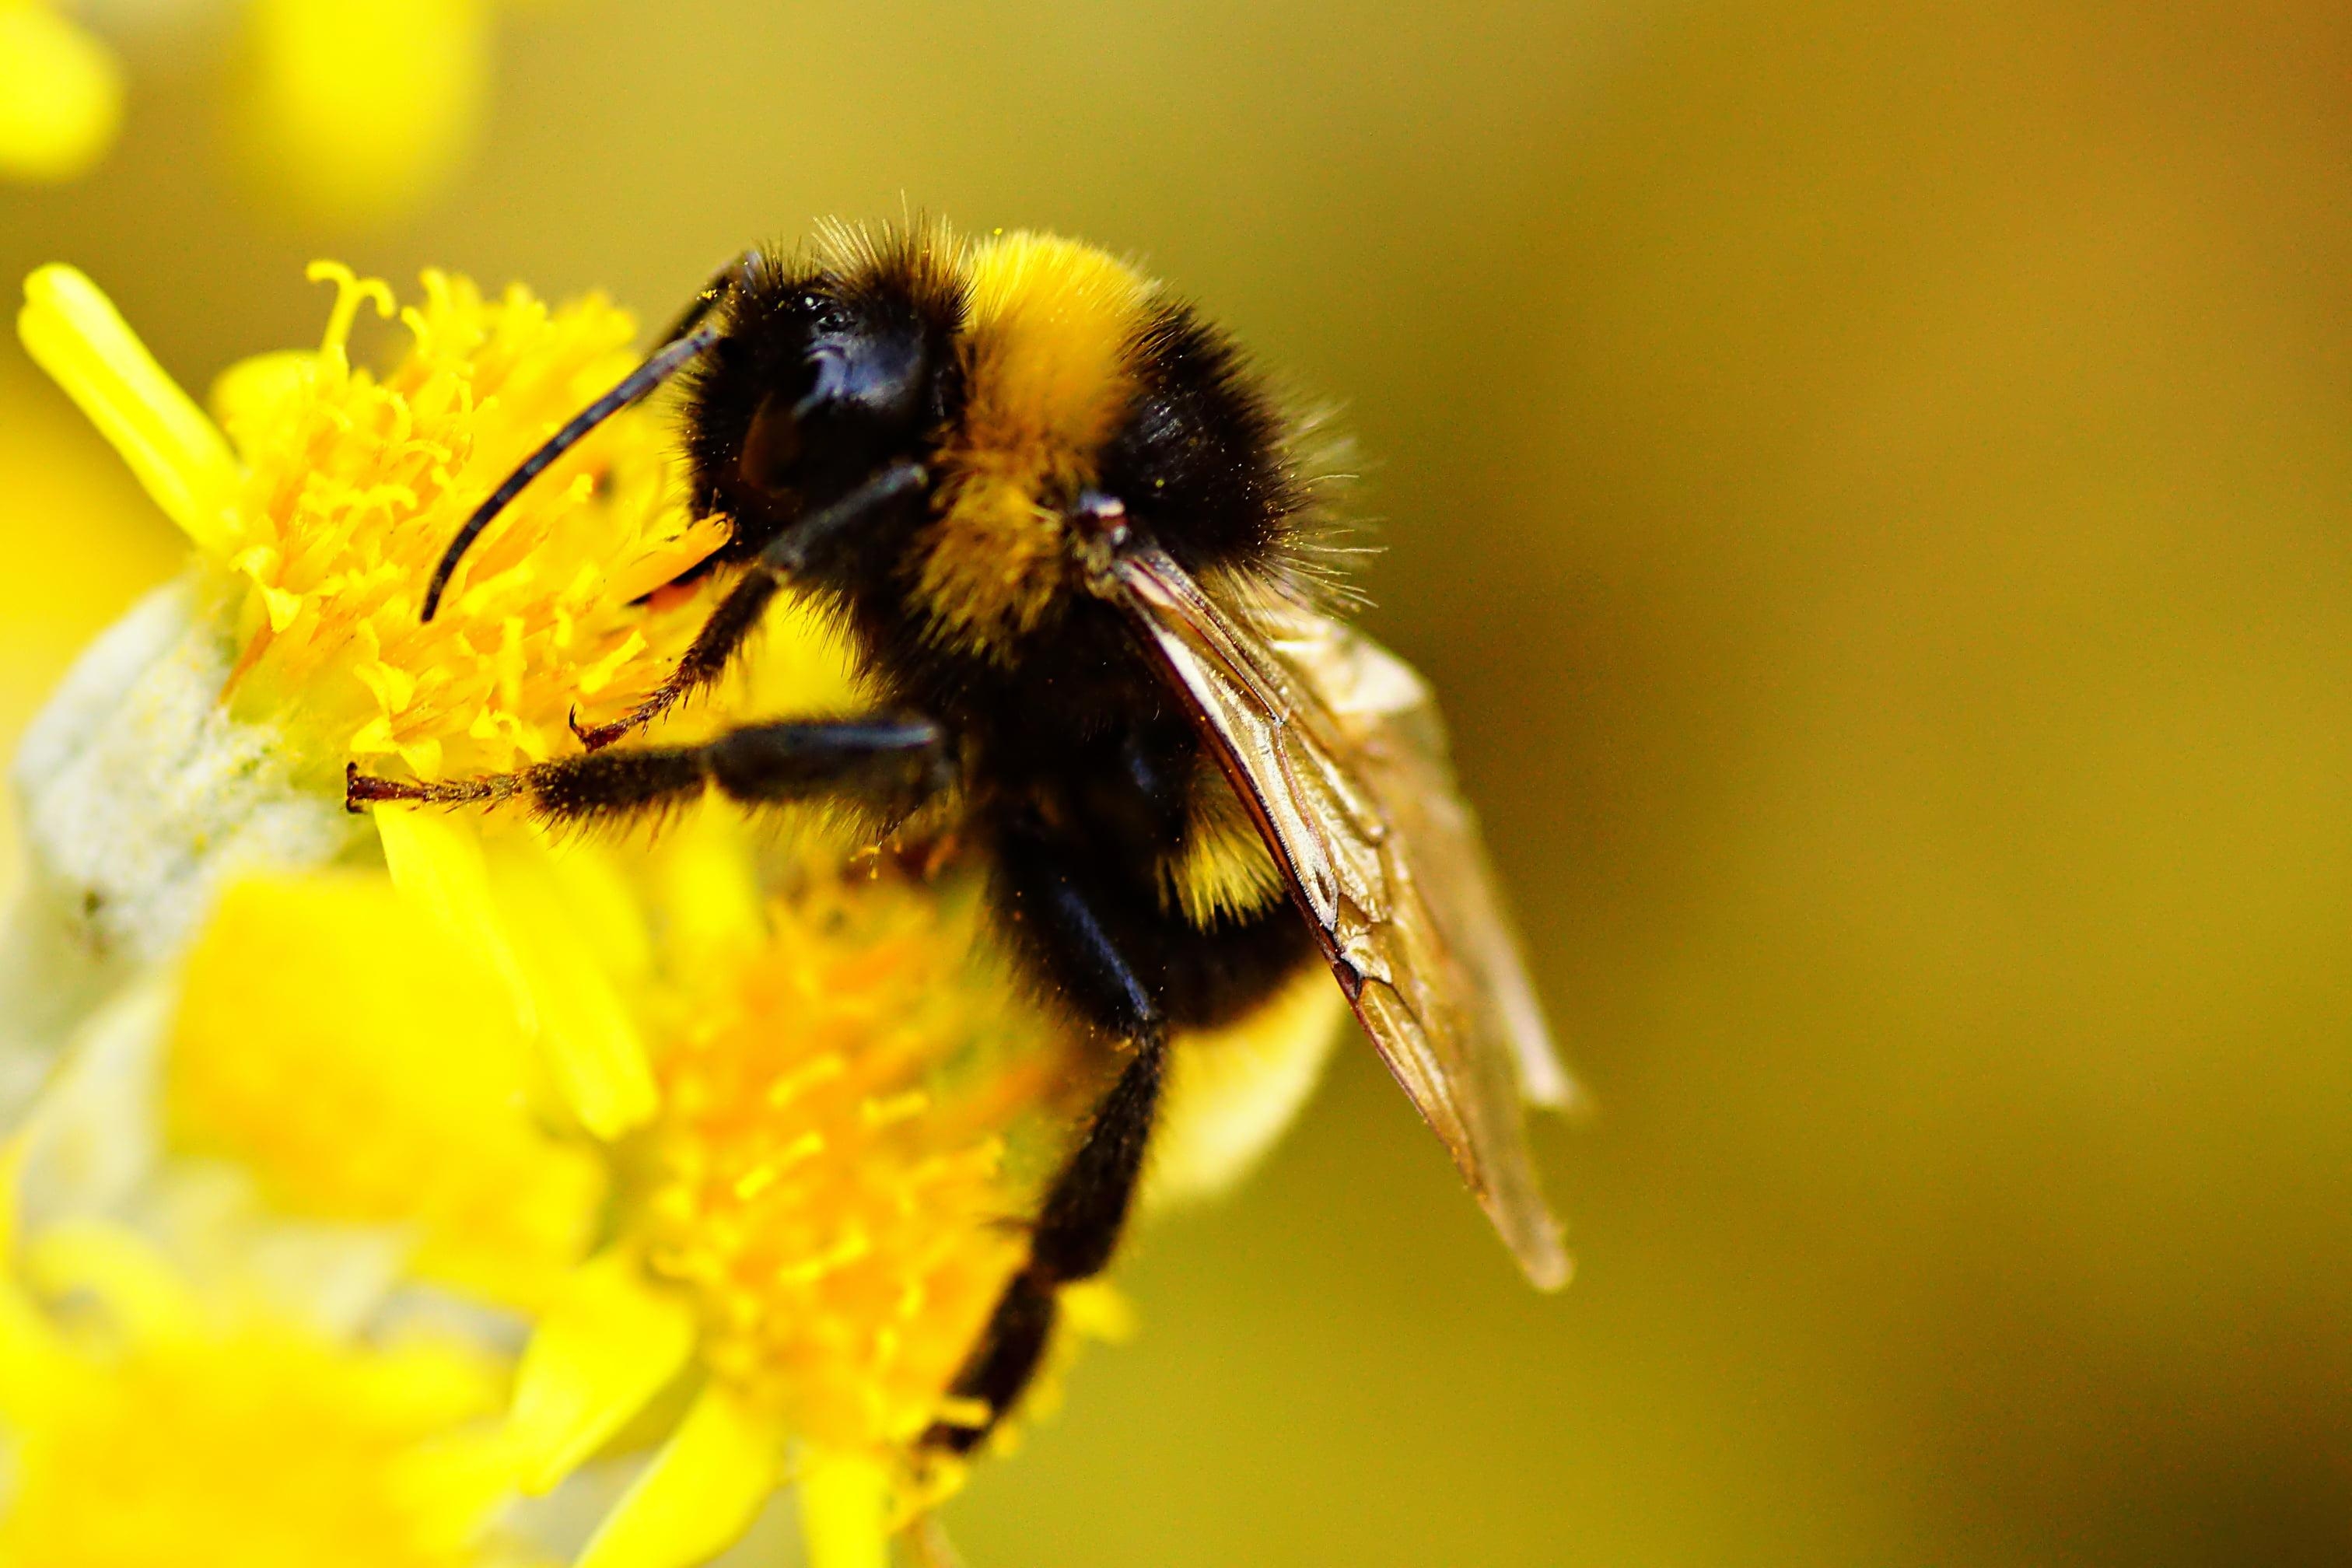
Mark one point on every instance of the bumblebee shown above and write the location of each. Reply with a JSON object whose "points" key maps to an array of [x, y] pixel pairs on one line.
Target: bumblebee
{"points": [[1073, 540]]}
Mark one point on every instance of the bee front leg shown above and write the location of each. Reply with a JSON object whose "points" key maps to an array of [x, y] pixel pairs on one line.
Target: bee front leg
{"points": [[739, 613]]}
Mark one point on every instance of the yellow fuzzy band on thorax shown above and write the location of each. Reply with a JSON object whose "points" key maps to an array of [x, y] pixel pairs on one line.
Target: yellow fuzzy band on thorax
{"points": [[1048, 377]]}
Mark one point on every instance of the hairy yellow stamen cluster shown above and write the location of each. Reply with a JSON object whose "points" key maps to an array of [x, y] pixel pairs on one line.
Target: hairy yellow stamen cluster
{"points": [[354, 486], [834, 1193], [320, 516]]}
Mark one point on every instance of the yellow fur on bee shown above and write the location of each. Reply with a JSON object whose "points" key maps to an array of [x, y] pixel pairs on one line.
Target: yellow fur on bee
{"points": [[1225, 867], [1046, 344], [1232, 1092]]}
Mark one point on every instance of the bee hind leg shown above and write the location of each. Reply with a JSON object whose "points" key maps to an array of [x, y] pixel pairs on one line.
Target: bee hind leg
{"points": [[1078, 1226]]}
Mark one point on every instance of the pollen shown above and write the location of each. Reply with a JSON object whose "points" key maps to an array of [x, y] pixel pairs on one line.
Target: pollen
{"points": [[829, 1179]]}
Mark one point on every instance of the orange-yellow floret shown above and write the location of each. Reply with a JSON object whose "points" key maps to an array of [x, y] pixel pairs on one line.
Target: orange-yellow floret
{"points": [[833, 1190], [354, 483]]}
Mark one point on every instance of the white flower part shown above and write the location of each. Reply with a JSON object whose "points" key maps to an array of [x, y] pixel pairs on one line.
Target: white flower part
{"points": [[141, 796], [91, 1136]]}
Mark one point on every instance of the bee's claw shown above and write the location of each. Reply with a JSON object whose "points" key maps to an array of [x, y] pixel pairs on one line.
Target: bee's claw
{"points": [[360, 789], [597, 737]]}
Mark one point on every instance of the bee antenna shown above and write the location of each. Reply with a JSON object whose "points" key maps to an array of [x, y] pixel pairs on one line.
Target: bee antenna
{"points": [[667, 361]]}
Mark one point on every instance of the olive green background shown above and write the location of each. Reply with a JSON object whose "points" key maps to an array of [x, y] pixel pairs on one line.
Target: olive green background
{"points": [[1875, 483]]}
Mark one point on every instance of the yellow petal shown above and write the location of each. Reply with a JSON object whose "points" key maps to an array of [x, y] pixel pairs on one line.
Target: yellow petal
{"points": [[593, 1048], [385, 1083], [602, 903], [1232, 1092], [25, 1339], [699, 1493], [526, 929], [262, 385], [607, 1344], [60, 95], [1100, 1310], [845, 1500], [437, 859], [709, 882], [137, 1287], [74, 333]]}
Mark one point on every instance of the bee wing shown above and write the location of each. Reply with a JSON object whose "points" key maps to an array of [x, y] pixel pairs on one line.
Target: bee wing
{"points": [[1334, 746], [1388, 717]]}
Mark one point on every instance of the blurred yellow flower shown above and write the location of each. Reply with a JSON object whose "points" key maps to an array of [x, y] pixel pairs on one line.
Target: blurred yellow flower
{"points": [[60, 94], [356, 110], [350, 112], [159, 1423], [383, 1081]]}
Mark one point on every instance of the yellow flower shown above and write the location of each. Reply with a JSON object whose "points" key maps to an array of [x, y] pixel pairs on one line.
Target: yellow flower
{"points": [[60, 94], [321, 510], [209, 732], [159, 1423], [823, 1105], [350, 111], [364, 1068], [837, 1107]]}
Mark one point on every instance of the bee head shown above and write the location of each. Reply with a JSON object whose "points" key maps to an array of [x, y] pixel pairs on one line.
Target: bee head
{"points": [[814, 384]]}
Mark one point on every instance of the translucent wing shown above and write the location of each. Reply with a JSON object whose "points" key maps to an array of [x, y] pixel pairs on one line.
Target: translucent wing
{"points": [[1335, 747]]}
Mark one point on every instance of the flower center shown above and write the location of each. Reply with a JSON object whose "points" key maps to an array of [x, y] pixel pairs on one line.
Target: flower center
{"points": [[829, 1174]]}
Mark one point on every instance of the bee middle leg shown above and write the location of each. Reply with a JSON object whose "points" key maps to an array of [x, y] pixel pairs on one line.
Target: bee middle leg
{"points": [[888, 762]]}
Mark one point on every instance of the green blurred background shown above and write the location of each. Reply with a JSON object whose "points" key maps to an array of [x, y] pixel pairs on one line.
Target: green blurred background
{"points": [[1872, 481]]}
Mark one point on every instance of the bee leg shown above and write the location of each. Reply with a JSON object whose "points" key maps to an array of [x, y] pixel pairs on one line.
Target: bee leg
{"points": [[740, 612], [1075, 1233], [890, 763], [1078, 1226]]}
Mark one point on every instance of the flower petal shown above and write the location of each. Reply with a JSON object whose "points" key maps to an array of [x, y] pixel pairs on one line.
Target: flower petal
{"points": [[26, 1340], [386, 1082], [74, 333], [607, 1346], [61, 96], [525, 927], [844, 1502], [592, 1041], [699, 1493], [438, 860], [1232, 1092], [137, 1287]]}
